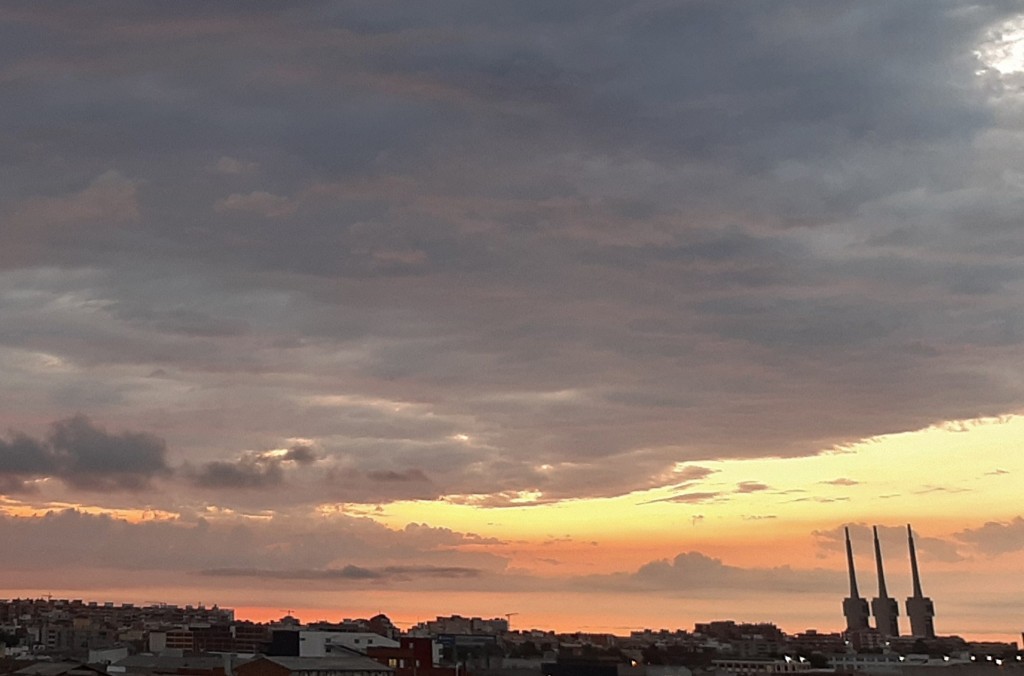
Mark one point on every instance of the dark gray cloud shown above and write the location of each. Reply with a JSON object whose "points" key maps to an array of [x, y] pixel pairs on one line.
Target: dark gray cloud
{"points": [[186, 321], [385, 574], [85, 456], [12, 485], [504, 255], [27, 456], [251, 470], [247, 472], [406, 475], [300, 454]]}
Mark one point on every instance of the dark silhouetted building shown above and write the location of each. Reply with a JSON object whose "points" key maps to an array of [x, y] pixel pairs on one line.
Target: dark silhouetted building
{"points": [[413, 657], [349, 665]]}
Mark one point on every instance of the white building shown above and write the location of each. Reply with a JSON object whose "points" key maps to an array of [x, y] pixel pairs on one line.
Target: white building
{"points": [[327, 643]]}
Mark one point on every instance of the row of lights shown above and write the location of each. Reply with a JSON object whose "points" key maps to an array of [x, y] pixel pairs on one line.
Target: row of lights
{"points": [[997, 660]]}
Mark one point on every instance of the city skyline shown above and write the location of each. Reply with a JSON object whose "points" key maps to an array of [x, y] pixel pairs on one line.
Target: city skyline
{"points": [[608, 314], [199, 639]]}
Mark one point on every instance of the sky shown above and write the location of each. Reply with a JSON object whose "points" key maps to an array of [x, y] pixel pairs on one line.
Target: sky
{"points": [[603, 315]]}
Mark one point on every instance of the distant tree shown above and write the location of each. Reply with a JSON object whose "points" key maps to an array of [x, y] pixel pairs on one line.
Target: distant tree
{"points": [[818, 661], [681, 655], [652, 654]]}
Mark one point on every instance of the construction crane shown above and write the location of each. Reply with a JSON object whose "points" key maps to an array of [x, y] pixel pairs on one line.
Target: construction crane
{"points": [[508, 619]]}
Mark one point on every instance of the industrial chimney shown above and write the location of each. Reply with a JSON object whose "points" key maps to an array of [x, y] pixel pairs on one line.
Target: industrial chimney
{"points": [[884, 608], [920, 609], [855, 609]]}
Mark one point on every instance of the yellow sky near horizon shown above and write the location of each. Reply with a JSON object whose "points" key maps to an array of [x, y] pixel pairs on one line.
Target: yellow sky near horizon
{"points": [[941, 479]]}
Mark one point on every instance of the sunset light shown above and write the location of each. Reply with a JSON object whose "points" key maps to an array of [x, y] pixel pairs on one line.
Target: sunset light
{"points": [[669, 330]]}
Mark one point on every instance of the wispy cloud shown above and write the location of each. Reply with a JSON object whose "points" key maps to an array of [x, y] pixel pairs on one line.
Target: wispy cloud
{"points": [[751, 487], [695, 498], [842, 481], [386, 573]]}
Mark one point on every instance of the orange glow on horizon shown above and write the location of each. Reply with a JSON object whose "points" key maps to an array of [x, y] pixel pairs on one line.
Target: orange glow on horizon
{"points": [[13, 508]]}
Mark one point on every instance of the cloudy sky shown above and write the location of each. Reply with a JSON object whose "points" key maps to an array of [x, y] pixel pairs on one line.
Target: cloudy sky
{"points": [[609, 314]]}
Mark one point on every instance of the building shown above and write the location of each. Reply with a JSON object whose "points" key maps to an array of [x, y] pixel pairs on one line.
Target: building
{"points": [[871, 663], [378, 624], [739, 667], [192, 665], [884, 608], [413, 657], [336, 665], [309, 643], [58, 669], [456, 624], [812, 641], [239, 637], [171, 638]]}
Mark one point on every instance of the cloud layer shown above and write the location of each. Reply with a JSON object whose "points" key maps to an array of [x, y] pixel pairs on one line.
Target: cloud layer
{"points": [[495, 255]]}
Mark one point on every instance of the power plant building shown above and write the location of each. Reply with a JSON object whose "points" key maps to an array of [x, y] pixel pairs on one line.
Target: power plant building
{"points": [[884, 608]]}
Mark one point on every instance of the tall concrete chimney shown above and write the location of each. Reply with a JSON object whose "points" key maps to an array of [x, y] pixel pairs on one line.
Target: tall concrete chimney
{"points": [[920, 608], [855, 609], [884, 608]]}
